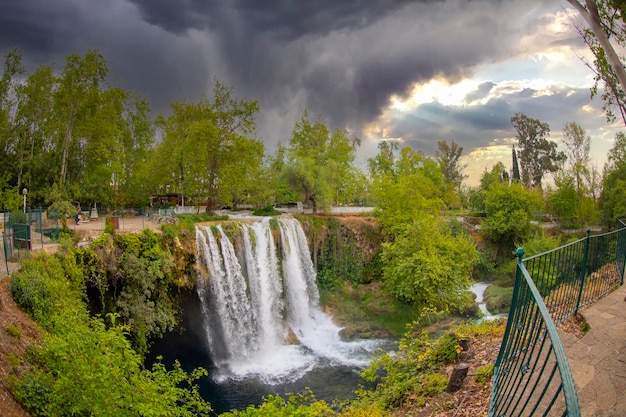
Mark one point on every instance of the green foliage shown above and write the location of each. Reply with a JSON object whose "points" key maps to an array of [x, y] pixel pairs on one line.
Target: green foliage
{"points": [[424, 261], [540, 242], [428, 267], [504, 273], [338, 258], [318, 165], [415, 370], [367, 311], [133, 275], [485, 266], [267, 211], [15, 331], [564, 201], [207, 150], [613, 197], [296, 405], [37, 285], [509, 210], [85, 367], [537, 154], [484, 374]]}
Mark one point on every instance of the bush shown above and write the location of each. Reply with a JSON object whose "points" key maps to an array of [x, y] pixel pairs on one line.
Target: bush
{"points": [[15, 331], [267, 211], [484, 373], [498, 299], [31, 293], [85, 367]]}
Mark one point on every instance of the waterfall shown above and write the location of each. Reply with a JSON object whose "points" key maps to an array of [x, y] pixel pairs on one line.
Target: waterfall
{"points": [[260, 304]]}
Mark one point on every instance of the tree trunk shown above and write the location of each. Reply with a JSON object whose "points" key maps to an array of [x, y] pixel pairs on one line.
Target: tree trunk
{"points": [[590, 14], [458, 375]]}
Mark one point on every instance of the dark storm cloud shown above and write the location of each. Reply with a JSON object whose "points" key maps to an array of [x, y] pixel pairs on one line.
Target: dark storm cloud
{"points": [[341, 59], [284, 19], [40, 28]]}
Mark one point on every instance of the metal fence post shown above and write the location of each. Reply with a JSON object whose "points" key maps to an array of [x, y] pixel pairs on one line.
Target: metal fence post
{"points": [[583, 272], [4, 246]]}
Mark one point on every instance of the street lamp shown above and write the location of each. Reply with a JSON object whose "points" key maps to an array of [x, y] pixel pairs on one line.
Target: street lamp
{"points": [[24, 192]]}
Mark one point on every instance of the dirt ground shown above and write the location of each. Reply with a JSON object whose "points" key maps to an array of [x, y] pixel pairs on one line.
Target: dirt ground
{"points": [[17, 333]]}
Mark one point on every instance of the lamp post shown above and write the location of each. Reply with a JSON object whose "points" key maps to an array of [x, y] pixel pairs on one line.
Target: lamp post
{"points": [[24, 192]]}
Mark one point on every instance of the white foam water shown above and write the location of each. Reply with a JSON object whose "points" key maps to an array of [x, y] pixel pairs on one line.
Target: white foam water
{"points": [[261, 305]]}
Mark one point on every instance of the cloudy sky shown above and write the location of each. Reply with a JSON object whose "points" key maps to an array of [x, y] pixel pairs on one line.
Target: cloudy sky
{"points": [[417, 71]]}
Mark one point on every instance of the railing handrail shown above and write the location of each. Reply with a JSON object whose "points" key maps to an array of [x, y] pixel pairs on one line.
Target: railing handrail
{"points": [[549, 288], [573, 243], [515, 381], [569, 388]]}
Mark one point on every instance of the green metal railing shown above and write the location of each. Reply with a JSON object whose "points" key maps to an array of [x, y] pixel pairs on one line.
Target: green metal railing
{"points": [[532, 375]]}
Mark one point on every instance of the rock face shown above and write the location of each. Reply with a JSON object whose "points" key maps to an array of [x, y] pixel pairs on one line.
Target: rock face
{"points": [[346, 245]]}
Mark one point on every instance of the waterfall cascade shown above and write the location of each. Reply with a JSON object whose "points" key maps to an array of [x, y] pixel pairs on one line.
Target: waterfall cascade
{"points": [[261, 305]]}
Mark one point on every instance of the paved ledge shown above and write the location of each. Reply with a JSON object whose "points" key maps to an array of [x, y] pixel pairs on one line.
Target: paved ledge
{"points": [[598, 360]]}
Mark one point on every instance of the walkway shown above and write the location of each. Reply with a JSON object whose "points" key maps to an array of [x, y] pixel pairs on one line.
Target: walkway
{"points": [[598, 360]]}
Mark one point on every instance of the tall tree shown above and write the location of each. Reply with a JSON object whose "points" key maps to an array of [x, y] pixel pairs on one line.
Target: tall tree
{"points": [[33, 130], [578, 144], [207, 150], [319, 162], [76, 102], [606, 20], [613, 197], [515, 175], [423, 263], [537, 154], [11, 70], [448, 158], [509, 210], [383, 163]]}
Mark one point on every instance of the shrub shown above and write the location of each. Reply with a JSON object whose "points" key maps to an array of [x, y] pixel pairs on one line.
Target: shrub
{"points": [[85, 367], [267, 211], [483, 374], [31, 293], [15, 331]]}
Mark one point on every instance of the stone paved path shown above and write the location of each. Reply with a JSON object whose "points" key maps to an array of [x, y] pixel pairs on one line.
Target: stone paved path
{"points": [[598, 360]]}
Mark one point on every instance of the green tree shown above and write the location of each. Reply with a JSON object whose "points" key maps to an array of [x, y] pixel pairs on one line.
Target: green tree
{"points": [[497, 175], [564, 201], [509, 210], [537, 155], [319, 163], [578, 144], [11, 70], [383, 163], [448, 157], [206, 151], [75, 104], [427, 266], [34, 131], [423, 263], [613, 197]]}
